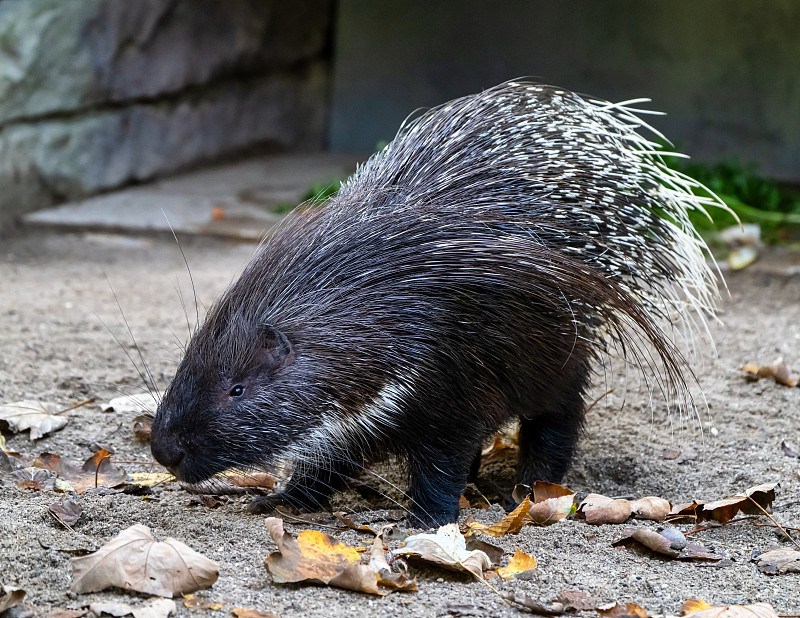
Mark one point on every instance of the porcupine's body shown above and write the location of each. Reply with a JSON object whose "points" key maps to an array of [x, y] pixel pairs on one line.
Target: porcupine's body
{"points": [[470, 273]]}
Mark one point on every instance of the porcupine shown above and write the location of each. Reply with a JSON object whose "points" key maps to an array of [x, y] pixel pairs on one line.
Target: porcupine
{"points": [[472, 272]]}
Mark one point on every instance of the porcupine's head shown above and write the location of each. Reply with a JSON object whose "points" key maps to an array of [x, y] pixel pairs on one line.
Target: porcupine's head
{"points": [[230, 403]]}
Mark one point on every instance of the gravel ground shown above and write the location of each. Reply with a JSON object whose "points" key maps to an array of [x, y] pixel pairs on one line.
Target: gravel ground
{"points": [[54, 301]]}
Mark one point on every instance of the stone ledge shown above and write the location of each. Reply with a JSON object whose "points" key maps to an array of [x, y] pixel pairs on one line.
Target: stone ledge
{"points": [[237, 200]]}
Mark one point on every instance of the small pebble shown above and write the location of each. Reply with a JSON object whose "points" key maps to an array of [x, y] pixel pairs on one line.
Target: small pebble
{"points": [[675, 536]]}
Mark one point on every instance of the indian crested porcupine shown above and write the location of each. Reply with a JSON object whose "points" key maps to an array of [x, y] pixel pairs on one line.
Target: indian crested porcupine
{"points": [[470, 273]]}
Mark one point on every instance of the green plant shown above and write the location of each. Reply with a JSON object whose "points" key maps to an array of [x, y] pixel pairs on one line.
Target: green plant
{"points": [[752, 197]]}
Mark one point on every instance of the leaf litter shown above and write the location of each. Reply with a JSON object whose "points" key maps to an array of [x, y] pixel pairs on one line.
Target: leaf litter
{"points": [[134, 560], [316, 558], [38, 417]]}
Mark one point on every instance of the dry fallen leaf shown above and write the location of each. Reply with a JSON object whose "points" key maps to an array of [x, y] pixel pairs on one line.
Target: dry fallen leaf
{"points": [[777, 371], [192, 601], [576, 600], [447, 548], [494, 552], [551, 502], [520, 563], [67, 512], [386, 577], [685, 510], [133, 560], [651, 507], [243, 612], [315, 557], [142, 427], [137, 403], [599, 509], [39, 417], [237, 482], [10, 597], [148, 479], [34, 479], [343, 519], [757, 610], [693, 605], [95, 472], [779, 561], [208, 500], [664, 545], [510, 524], [504, 444], [155, 608], [725, 510], [543, 609], [629, 610], [789, 449]]}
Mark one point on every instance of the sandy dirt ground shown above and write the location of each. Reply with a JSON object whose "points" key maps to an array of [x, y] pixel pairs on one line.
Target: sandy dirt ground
{"points": [[55, 299]]}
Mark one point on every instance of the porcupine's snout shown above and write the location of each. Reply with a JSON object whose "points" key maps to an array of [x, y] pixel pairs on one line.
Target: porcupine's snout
{"points": [[166, 448]]}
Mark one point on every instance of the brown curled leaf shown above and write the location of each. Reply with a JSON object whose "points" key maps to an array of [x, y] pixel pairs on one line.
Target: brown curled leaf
{"points": [[662, 545], [192, 601], [726, 509], [67, 512], [343, 519], [777, 371], [243, 612], [598, 509], [551, 503], [779, 561], [142, 427], [316, 558], [576, 600], [651, 507]]}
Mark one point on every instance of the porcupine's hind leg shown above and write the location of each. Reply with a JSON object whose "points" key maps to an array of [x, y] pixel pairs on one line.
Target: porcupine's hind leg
{"points": [[437, 480], [548, 435]]}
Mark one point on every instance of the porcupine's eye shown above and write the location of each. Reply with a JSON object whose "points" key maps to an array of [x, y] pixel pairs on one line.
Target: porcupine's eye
{"points": [[237, 391]]}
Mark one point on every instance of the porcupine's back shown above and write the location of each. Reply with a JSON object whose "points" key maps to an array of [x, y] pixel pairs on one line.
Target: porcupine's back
{"points": [[572, 172]]}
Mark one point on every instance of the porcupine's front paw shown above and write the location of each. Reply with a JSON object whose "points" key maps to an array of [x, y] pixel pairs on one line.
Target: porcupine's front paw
{"points": [[298, 498]]}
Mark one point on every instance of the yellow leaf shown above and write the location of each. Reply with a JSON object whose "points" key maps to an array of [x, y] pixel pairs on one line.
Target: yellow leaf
{"points": [[315, 557], [510, 524], [192, 601], [150, 478], [694, 605], [520, 563]]}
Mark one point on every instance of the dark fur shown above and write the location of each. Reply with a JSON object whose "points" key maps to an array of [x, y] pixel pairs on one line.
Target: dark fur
{"points": [[414, 315]]}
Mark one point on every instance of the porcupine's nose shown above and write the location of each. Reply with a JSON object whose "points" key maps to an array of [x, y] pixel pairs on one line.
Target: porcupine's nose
{"points": [[166, 449]]}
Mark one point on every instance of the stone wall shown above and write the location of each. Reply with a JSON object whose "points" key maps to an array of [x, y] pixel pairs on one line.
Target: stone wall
{"points": [[97, 94], [727, 72]]}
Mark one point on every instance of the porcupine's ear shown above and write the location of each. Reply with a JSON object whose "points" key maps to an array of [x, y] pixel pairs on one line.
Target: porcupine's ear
{"points": [[276, 349]]}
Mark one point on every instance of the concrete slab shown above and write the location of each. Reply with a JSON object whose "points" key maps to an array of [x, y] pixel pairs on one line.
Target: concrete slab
{"points": [[239, 200]]}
